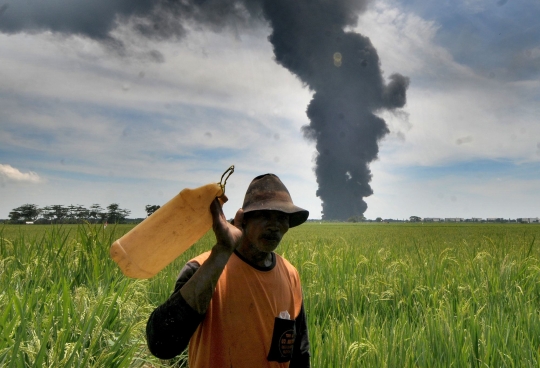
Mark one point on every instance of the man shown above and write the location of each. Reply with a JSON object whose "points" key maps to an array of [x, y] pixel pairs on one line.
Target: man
{"points": [[239, 305]]}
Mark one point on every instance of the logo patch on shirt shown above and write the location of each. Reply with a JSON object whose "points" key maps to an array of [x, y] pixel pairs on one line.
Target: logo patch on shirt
{"points": [[286, 342]]}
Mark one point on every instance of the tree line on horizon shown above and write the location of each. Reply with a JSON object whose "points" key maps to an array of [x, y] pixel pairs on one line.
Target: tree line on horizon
{"points": [[60, 214]]}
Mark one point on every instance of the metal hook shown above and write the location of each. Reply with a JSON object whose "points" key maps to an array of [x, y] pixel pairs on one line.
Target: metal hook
{"points": [[222, 183]]}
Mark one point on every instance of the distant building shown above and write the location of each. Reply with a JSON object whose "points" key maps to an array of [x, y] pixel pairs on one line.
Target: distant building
{"points": [[433, 219], [453, 219], [528, 220], [476, 219]]}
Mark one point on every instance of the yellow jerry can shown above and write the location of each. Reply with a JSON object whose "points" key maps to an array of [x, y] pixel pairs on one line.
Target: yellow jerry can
{"points": [[167, 233]]}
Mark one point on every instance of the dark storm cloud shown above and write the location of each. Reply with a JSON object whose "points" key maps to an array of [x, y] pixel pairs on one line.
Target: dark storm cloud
{"points": [[3, 8], [308, 38], [94, 18], [167, 18]]}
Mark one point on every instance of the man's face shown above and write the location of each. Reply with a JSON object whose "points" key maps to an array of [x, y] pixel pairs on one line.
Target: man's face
{"points": [[265, 229]]}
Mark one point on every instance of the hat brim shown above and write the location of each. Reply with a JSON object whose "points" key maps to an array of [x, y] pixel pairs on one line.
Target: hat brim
{"points": [[297, 215]]}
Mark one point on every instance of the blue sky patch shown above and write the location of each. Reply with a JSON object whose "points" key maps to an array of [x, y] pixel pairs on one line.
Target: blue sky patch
{"points": [[478, 168]]}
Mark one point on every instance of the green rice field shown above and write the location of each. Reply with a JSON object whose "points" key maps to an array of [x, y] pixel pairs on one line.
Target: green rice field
{"points": [[376, 295]]}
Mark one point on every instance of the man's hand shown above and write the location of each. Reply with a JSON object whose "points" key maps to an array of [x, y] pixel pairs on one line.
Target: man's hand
{"points": [[228, 236]]}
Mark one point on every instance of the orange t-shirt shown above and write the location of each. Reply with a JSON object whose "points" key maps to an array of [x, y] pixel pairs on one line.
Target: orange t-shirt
{"points": [[238, 326]]}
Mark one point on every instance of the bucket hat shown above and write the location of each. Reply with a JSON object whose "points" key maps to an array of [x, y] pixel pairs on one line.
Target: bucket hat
{"points": [[267, 192]]}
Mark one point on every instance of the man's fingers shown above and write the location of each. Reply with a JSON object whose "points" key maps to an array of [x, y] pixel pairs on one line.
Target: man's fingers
{"points": [[216, 211], [226, 234]]}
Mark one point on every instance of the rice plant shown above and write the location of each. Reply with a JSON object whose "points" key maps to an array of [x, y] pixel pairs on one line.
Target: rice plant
{"points": [[376, 295], [420, 296]]}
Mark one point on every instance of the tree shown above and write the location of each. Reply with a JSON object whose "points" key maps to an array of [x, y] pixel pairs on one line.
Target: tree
{"points": [[358, 218], [60, 212], [103, 217], [81, 213], [55, 213], [378, 219], [415, 219], [15, 216], [96, 212], [116, 214], [150, 209], [47, 214], [71, 213], [26, 212]]}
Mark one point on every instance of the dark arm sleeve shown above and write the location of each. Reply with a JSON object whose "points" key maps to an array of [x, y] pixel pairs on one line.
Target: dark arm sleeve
{"points": [[300, 357], [172, 324]]}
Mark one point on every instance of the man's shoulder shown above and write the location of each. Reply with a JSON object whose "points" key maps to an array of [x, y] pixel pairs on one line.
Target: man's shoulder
{"points": [[290, 273], [286, 264]]}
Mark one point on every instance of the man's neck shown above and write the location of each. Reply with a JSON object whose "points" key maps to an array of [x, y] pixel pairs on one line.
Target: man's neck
{"points": [[255, 256]]}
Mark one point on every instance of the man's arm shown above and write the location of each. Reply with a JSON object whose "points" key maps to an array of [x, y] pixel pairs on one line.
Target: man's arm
{"points": [[177, 319], [172, 324], [198, 291], [301, 355]]}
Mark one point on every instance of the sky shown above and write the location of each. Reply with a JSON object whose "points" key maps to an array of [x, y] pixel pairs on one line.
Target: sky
{"points": [[84, 120]]}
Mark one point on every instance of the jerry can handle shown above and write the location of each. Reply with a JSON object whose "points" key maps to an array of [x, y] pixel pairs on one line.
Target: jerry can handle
{"points": [[225, 175]]}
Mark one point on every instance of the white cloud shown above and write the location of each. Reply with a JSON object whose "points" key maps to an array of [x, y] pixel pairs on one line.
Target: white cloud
{"points": [[462, 194], [448, 101], [9, 173], [114, 122], [205, 69]]}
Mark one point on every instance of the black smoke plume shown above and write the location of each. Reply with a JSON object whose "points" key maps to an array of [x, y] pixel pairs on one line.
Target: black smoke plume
{"points": [[344, 71], [309, 38]]}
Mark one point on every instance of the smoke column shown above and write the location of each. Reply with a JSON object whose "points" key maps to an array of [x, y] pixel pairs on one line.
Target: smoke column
{"points": [[343, 70], [309, 39]]}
